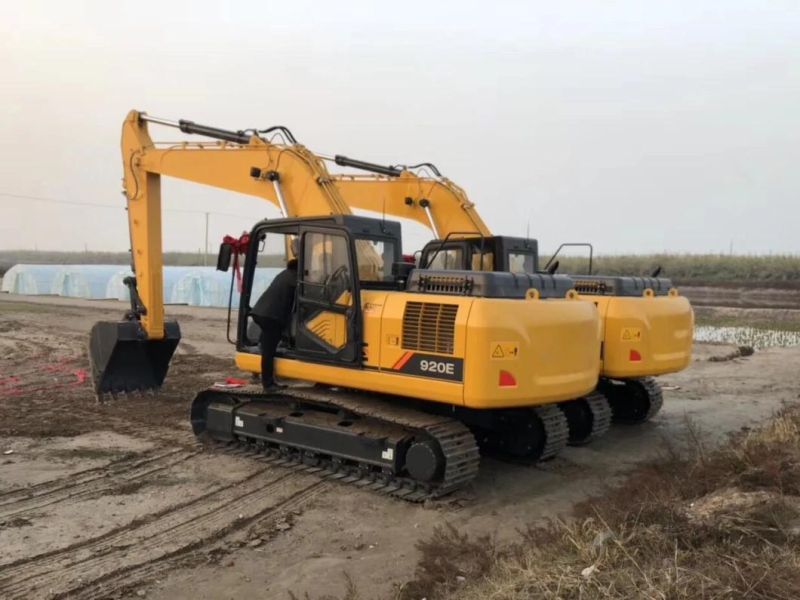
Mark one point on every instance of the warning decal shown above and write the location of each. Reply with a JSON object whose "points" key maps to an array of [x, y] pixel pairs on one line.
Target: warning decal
{"points": [[504, 350], [631, 334]]}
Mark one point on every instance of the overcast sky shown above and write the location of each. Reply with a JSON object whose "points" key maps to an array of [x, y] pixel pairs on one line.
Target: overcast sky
{"points": [[639, 126]]}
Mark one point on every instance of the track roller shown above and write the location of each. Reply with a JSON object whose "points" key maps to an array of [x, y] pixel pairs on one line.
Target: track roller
{"points": [[555, 430], [588, 418], [633, 401]]}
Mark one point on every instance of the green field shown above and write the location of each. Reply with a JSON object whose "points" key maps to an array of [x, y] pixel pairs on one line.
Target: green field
{"points": [[777, 270]]}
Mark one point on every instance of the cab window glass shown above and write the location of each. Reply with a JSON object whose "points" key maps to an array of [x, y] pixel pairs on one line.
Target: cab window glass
{"points": [[326, 270], [520, 262], [450, 258], [482, 261], [375, 258]]}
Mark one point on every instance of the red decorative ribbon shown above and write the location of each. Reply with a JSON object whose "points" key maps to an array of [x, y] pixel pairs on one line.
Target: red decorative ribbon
{"points": [[239, 246]]}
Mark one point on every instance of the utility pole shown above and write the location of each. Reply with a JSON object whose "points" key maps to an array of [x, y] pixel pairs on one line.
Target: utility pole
{"points": [[205, 254]]}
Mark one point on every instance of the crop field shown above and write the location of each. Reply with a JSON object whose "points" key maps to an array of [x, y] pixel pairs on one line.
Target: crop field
{"points": [[754, 337], [696, 269]]}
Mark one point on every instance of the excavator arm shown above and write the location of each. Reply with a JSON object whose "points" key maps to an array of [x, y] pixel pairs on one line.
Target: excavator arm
{"points": [[435, 202], [134, 354]]}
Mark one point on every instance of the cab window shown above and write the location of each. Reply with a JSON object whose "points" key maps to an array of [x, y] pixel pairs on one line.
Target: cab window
{"points": [[449, 258], [326, 267], [520, 262], [482, 261], [375, 258]]}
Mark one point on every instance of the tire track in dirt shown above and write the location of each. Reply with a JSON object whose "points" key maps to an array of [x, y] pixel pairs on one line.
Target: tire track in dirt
{"points": [[148, 542], [77, 477], [95, 483], [129, 577]]}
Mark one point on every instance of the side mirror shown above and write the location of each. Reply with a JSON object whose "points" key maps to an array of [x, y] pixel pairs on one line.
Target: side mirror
{"points": [[224, 256]]}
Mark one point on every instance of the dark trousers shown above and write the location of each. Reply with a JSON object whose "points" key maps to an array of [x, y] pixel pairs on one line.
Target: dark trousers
{"points": [[271, 332]]}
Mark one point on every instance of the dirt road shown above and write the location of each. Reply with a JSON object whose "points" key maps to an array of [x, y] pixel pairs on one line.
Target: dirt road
{"points": [[118, 500]]}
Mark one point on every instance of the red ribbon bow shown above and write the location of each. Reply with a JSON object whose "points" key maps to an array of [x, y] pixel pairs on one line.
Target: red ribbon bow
{"points": [[239, 246]]}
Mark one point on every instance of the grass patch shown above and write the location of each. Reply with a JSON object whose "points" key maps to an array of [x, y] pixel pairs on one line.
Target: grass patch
{"points": [[720, 523]]}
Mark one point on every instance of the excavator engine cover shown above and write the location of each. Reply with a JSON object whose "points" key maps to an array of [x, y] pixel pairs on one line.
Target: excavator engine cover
{"points": [[123, 360]]}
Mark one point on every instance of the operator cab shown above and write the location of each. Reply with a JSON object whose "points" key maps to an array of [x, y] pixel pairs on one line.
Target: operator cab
{"points": [[482, 253], [338, 256]]}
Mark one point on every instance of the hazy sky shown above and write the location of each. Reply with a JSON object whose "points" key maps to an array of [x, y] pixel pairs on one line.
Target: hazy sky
{"points": [[639, 126]]}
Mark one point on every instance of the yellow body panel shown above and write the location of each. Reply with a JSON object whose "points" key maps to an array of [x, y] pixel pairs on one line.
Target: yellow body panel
{"points": [[551, 349], [654, 331], [557, 358]]}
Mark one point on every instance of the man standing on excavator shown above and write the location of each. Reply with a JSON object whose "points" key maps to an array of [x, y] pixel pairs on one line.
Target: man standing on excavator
{"points": [[272, 313]]}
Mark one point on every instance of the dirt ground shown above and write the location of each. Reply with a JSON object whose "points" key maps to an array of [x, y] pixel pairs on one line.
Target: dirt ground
{"points": [[117, 500]]}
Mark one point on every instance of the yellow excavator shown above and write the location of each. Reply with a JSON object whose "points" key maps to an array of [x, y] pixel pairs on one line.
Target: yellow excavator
{"points": [[413, 368], [647, 326]]}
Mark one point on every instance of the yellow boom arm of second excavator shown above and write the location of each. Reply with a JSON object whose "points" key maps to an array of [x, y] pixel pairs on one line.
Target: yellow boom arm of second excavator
{"points": [[435, 202], [289, 176]]}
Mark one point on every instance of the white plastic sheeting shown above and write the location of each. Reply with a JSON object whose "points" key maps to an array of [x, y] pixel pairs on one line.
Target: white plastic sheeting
{"points": [[195, 286], [82, 281], [115, 288], [205, 286], [29, 279]]}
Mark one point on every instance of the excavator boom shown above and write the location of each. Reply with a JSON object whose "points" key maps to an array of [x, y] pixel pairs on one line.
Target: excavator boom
{"points": [[134, 354]]}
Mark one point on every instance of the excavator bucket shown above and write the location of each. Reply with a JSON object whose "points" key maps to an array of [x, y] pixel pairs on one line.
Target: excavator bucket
{"points": [[123, 360]]}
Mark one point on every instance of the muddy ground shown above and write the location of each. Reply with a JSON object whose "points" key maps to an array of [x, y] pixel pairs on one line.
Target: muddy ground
{"points": [[117, 500]]}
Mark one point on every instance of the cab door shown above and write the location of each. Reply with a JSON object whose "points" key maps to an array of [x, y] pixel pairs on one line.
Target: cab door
{"points": [[328, 313]]}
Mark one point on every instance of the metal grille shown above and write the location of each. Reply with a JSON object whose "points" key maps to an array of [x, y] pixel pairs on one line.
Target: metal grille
{"points": [[444, 284], [592, 288], [429, 327]]}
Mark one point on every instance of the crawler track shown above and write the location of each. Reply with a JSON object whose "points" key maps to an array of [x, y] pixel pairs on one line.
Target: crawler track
{"points": [[589, 418], [456, 442], [633, 401], [556, 430]]}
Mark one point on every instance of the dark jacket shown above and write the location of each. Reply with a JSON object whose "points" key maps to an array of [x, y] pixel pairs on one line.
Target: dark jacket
{"points": [[277, 300]]}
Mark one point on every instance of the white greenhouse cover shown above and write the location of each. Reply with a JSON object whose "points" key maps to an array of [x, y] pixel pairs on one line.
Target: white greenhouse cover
{"points": [[194, 286]]}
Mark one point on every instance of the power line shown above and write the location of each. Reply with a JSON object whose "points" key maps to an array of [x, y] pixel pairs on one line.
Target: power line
{"points": [[43, 199], [95, 204]]}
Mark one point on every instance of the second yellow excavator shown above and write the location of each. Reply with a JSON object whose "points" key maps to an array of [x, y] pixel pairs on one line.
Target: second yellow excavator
{"points": [[647, 326]]}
